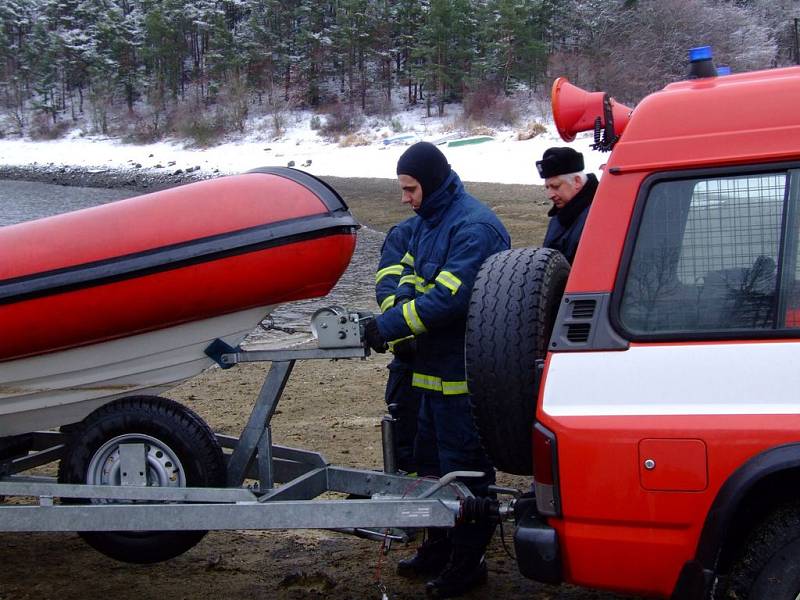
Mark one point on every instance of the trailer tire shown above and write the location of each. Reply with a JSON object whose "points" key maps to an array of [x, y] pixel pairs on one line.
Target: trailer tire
{"points": [[181, 451], [769, 566], [512, 309]]}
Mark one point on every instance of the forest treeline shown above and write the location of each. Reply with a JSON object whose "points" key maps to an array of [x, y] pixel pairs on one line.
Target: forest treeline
{"points": [[149, 67]]}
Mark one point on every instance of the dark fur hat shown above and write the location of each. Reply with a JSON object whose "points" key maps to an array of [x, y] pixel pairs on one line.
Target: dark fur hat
{"points": [[559, 161]]}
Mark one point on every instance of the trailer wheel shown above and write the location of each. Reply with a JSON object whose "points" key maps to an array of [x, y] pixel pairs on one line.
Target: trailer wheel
{"points": [[769, 566], [511, 314], [180, 451]]}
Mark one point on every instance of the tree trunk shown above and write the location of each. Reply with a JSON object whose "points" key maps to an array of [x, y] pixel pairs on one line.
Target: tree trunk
{"points": [[389, 81], [351, 96], [129, 94], [363, 73]]}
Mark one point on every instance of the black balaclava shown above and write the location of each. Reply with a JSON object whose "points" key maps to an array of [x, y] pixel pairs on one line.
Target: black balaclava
{"points": [[424, 162]]}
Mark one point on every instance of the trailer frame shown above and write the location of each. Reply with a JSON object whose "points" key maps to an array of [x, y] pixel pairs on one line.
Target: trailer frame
{"points": [[285, 487]]}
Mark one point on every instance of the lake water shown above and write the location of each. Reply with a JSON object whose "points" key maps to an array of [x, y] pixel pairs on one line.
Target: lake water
{"points": [[24, 201]]}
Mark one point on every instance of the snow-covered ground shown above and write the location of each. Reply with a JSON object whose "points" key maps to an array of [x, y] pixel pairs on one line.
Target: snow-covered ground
{"points": [[502, 160]]}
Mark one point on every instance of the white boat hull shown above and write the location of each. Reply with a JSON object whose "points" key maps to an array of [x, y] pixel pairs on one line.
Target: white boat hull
{"points": [[59, 388]]}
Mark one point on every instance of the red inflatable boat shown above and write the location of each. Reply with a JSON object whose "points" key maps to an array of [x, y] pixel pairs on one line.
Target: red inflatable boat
{"points": [[126, 297]]}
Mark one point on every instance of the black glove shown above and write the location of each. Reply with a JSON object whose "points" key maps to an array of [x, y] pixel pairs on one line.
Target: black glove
{"points": [[373, 337], [405, 350]]}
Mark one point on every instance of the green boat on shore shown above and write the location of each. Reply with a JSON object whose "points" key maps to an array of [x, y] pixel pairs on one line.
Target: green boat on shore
{"points": [[468, 141]]}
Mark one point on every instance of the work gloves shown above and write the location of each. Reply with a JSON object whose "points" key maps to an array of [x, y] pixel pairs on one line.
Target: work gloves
{"points": [[373, 337], [405, 349]]}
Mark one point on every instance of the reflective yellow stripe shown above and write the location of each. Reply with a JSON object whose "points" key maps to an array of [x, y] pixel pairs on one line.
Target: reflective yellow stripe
{"points": [[450, 281], [407, 260], [453, 388], [388, 303], [426, 382], [393, 270], [423, 287], [412, 279], [394, 342], [435, 384], [413, 321]]}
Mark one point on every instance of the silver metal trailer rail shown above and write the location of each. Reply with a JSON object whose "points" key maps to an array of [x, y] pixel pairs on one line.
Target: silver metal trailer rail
{"points": [[288, 481]]}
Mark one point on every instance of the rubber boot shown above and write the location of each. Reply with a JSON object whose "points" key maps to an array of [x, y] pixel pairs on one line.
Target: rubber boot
{"points": [[431, 557], [465, 571]]}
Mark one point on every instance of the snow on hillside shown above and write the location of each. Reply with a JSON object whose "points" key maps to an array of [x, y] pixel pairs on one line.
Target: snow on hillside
{"points": [[505, 159]]}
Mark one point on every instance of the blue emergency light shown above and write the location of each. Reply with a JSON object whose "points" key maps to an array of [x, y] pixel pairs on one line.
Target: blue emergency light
{"points": [[701, 63]]}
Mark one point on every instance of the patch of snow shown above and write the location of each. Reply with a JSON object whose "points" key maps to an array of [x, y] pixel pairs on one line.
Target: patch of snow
{"points": [[503, 160]]}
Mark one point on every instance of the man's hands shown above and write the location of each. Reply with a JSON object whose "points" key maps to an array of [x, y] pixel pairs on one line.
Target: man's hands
{"points": [[373, 337], [405, 350]]}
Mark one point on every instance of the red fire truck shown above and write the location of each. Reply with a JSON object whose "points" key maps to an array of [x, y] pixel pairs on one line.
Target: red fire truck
{"points": [[660, 374]]}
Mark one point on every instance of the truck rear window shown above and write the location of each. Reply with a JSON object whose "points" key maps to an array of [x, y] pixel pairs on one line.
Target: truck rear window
{"points": [[715, 254]]}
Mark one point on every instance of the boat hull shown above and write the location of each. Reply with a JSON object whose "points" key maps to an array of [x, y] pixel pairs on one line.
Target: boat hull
{"points": [[58, 388], [123, 299]]}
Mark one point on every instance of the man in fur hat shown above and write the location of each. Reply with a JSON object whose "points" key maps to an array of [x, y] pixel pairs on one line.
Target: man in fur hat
{"points": [[571, 191]]}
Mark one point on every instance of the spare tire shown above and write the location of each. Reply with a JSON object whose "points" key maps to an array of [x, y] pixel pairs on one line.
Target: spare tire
{"points": [[512, 309]]}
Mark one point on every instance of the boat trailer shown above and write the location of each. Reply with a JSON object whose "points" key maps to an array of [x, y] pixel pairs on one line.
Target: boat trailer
{"points": [[285, 483]]}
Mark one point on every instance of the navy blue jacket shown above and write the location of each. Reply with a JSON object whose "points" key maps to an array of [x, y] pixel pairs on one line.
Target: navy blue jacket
{"points": [[566, 224], [390, 269], [452, 237]]}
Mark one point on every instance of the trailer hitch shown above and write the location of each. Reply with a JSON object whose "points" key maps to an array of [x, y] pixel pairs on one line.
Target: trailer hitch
{"points": [[492, 510]]}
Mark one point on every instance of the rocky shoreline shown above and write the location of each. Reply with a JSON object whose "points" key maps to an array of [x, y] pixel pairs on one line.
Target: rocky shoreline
{"points": [[136, 179]]}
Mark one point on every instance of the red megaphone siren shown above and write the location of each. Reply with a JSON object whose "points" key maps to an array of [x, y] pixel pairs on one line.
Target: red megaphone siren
{"points": [[576, 110]]}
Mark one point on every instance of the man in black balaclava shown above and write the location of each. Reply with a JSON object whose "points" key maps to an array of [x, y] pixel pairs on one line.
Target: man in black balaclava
{"points": [[453, 234], [421, 171], [571, 191]]}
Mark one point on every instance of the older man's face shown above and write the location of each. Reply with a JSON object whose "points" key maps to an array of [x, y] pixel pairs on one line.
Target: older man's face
{"points": [[562, 188], [412, 191]]}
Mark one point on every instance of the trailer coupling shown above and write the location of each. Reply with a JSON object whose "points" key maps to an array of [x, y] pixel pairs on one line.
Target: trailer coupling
{"points": [[536, 544]]}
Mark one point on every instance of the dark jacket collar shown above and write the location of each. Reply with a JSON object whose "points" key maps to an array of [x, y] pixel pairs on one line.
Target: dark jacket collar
{"points": [[434, 206], [568, 214]]}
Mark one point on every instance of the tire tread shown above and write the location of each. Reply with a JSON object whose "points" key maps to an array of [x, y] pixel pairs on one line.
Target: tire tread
{"points": [[191, 438], [511, 313]]}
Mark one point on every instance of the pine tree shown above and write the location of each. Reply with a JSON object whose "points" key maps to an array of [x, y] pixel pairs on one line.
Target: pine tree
{"points": [[445, 50], [42, 58], [409, 19], [266, 49], [16, 22], [354, 30]]}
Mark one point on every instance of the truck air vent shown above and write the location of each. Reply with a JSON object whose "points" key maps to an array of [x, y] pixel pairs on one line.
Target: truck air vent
{"points": [[578, 333], [583, 324], [583, 309]]}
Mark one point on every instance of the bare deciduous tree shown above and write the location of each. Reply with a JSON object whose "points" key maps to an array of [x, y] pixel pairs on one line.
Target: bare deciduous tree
{"points": [[634, 48]]}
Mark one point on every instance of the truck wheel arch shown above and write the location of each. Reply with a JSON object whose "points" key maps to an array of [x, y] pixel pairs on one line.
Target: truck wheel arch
{"points": [[757, 486]]}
